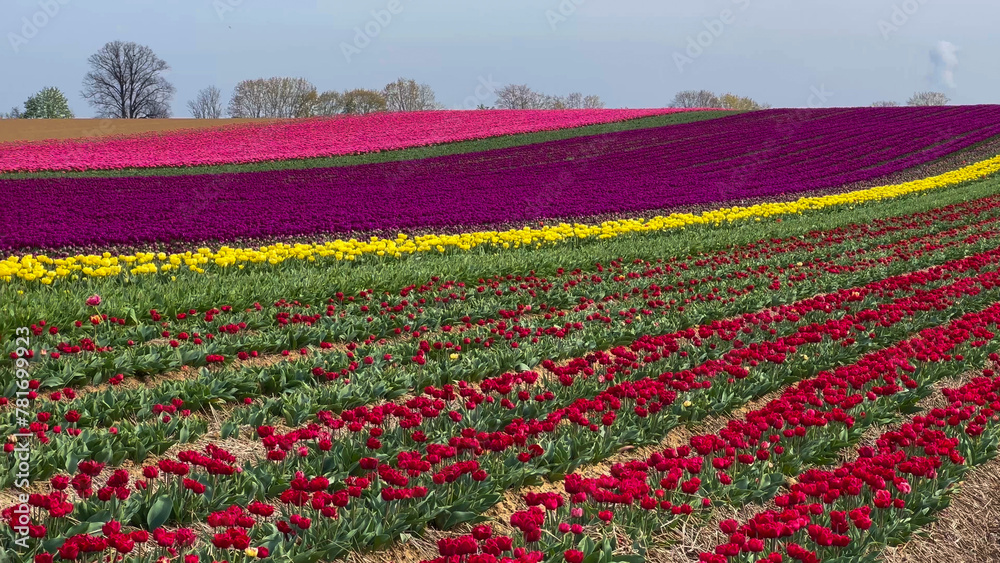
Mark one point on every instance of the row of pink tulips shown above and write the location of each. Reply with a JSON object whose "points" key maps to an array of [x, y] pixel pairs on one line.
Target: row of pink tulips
{"points": [[294, 139]]}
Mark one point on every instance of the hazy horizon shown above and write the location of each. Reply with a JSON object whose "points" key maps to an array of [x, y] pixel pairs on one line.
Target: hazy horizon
{"points": [[632, 53]]}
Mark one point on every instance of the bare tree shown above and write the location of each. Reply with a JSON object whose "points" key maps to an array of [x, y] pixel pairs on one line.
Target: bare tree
{"points": [[328, 103], [696, 99], [362, 101], [290, 97], [276, 97], [158, 110], [742, 103], [406, 95], [593, 101], [249, 99], [574, 100], [207, 105], [520, 96], [552, 102], [126, 80], [885, 104], [928, 99]]}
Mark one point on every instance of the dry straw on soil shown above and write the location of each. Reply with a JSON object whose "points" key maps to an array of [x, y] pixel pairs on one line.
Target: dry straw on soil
{"points": [[968, 531], [43, 129]]}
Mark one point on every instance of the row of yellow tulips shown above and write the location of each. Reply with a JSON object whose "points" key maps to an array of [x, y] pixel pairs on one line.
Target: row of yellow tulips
{"points": [[44, 269]]}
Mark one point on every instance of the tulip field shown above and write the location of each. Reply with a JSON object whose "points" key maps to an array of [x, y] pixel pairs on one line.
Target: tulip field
{"points": [[295, 139], [626, 172], [590, 336]]}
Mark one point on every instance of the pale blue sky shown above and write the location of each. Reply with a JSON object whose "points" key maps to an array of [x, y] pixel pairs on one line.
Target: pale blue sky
{"points": [[779, 51]]}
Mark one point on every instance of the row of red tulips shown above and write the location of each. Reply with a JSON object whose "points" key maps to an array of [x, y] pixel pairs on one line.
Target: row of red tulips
{"points": [[364, 476], [221, 333], [402, 489], [805, 427]]}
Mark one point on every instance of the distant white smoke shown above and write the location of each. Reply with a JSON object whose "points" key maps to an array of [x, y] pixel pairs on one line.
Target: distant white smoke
{"points": [[945, 59]]}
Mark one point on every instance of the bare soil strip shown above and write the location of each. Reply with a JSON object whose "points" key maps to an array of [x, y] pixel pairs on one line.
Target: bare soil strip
{"points": [[51, 129], [961, 527], [968, 531], [704, 536]]}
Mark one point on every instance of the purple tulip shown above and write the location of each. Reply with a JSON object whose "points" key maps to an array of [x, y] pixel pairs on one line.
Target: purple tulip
{"points": [[756, 154]]}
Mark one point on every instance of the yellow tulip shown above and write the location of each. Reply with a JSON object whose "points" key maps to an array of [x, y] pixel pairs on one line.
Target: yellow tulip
{"points": [[29, 267]]}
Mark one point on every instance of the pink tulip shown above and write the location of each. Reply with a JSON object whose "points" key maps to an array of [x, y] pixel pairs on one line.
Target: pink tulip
{"points": [[302, 138], [94, 300]]}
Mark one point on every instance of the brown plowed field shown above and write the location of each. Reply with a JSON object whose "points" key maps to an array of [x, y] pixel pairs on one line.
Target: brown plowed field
{"points": [[41, 129]]}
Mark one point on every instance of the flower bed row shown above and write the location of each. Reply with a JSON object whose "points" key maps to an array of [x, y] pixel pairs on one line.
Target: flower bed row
{"points": [[648, 169], [212, 337], [296, 139], [140, 345], [588, 315], [314, 525], [749, 459], [851, 512], [370, 471], [923, 300], [105, 410]]}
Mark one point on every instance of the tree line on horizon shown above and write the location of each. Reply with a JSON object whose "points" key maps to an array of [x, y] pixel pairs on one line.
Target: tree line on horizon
{"points": [[127, 81], [918, 99], [708, 99]]}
